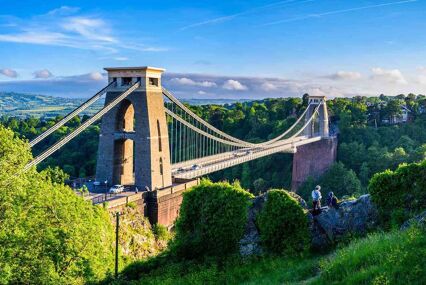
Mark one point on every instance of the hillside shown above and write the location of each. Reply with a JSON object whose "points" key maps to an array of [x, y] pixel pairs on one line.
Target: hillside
{"points": [[26, 105]]}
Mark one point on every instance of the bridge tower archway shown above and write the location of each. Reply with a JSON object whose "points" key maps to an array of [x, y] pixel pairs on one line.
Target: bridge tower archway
{"points": [[123, 163], [133, 142], [319, 125]]}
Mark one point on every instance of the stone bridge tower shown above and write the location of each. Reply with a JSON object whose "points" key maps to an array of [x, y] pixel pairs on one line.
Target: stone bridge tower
{"points": [[313, 159], [133, 142]]}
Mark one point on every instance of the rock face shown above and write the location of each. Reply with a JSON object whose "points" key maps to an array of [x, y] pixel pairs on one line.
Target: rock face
{"points": [[419, 220], [352, 218], [250, 243], [137, 241]]}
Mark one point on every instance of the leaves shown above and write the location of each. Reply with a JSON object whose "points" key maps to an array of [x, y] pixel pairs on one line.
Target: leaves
{"points": [[283, 225], [212, 220], [48, 235]]}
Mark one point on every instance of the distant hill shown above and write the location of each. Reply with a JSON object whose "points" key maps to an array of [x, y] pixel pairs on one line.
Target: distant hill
{"points": [[26, 105]]}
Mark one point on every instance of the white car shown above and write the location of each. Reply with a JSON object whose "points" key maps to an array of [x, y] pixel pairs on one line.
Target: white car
{"points": [[116, 189], [195, 167]]}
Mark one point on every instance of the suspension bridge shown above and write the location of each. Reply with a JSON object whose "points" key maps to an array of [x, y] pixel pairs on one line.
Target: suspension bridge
{"points": [[151, 140]]}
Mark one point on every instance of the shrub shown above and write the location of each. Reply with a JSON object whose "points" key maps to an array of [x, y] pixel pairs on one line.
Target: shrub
{"points": [[212, 220], [399, 194], [337, 179], [282, 223]]}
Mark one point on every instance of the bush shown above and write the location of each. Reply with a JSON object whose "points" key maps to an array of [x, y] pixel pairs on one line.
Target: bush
{"points": [[399, 194], [337, 179], [212, 220], [381, 258], [48, 235], [282, 223]]}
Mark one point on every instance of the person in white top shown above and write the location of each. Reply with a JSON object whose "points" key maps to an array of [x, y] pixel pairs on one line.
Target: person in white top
{"points": [[316, 199]]}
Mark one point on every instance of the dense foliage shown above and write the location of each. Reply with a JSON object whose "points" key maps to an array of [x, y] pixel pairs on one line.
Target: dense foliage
{"points": [[337, 179], [48, 235], [282, 224], [391, 258], [212, 220], [369, 141], [399, 194]]}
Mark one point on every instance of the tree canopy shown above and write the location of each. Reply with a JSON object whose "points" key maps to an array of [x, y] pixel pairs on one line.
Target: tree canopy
{"points": [[48, 235]]}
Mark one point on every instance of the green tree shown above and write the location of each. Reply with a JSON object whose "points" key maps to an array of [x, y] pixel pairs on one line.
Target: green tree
{"points": [[337, 179], [48, 235]]}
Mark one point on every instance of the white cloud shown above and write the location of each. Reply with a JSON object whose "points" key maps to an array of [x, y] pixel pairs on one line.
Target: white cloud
{"points": [[44, 73], [90, 28], [190, 82], [96, 76], [421, 75], [234, 85], [9, 72], [121, 58], [388, 75], [268, 86], [207, 84], [84, 85], [345, 75], [59, 28], [32, 37], [63, 10]]}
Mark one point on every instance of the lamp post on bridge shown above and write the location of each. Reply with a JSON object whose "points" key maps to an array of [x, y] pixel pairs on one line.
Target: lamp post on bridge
{"points": [[106, 189]]}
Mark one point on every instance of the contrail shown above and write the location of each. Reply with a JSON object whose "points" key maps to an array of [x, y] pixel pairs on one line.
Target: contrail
{"points": [[336, 12], [232, 16]]}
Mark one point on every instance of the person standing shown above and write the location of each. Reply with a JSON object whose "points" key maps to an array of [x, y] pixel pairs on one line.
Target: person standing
{"points": [[316, 199]]}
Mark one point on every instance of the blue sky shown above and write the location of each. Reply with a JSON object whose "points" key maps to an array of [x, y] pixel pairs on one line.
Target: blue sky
{"points": [[211, 49]]}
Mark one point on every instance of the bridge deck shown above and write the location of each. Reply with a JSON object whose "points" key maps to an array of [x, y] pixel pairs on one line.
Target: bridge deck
{"points": [[218, 162]]}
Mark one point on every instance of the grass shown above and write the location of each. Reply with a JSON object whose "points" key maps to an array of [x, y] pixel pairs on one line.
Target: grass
{"points": [[379, 259], [266, 270]]}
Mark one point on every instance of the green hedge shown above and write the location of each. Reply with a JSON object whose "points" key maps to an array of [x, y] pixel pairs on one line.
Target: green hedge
{"points": [[283, 224], [399, 194], [212, 220]]}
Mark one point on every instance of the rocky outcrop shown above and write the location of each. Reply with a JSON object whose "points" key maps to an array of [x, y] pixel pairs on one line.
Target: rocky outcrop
{"points": [[136, 238], [250, 243], [352, 218], [419, 220]]}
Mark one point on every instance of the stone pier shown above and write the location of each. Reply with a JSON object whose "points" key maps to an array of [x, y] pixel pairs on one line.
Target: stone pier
{"points": [[313, 160]]}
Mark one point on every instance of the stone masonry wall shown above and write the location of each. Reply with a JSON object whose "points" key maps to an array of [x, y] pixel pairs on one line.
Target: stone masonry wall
{"points": [[313, 160]]}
